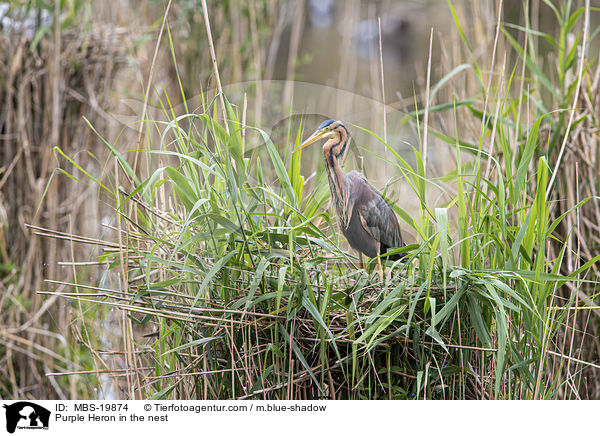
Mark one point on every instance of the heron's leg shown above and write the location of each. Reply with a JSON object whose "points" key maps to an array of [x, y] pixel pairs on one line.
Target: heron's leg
{"points": [[379, 265], [380, 268], [360, 261]]}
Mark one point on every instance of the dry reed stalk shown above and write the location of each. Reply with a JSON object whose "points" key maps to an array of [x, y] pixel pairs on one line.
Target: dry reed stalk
{"points": [[582, 58], [213, 57]]}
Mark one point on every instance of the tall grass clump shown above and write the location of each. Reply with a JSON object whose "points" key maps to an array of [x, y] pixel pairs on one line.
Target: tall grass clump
{"points": [[553, 83], [234, 286]]}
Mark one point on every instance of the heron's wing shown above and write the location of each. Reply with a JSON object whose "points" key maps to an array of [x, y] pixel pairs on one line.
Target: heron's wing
{"points": [[376, 215], [365, 225], [349, 204]]}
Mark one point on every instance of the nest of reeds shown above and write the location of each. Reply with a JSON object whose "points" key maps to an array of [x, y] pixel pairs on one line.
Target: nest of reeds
{"points": [[245, 336]]}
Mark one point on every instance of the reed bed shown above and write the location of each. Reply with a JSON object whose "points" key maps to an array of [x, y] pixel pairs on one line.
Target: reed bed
{"points": [[245, 293], [223, 273], [49, 80]]}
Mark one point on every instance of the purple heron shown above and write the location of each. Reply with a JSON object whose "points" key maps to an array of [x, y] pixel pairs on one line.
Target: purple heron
{"points": [[366, 219]]}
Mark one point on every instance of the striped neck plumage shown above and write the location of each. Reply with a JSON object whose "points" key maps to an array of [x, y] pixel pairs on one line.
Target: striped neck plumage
{"points": [[334, 152]]}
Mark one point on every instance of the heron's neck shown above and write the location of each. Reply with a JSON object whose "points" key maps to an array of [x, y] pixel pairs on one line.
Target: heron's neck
{"points": [[337, 178]]}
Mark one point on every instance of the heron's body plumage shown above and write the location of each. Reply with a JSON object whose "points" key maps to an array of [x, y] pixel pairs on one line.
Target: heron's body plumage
{"points": [[372, 227]]}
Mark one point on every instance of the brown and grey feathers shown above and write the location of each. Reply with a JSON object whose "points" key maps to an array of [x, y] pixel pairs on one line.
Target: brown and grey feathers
{"points": [[367, 208]]}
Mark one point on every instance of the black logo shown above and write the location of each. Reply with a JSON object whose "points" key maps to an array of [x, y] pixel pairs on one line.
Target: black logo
{"points": [[26, 415]]}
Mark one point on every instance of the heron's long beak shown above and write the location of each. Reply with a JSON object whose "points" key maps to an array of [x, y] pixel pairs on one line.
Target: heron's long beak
{"points": [[312, 138]]}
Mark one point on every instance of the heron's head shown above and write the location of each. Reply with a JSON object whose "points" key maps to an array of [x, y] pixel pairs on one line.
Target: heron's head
{"points": [[337, 138]]}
